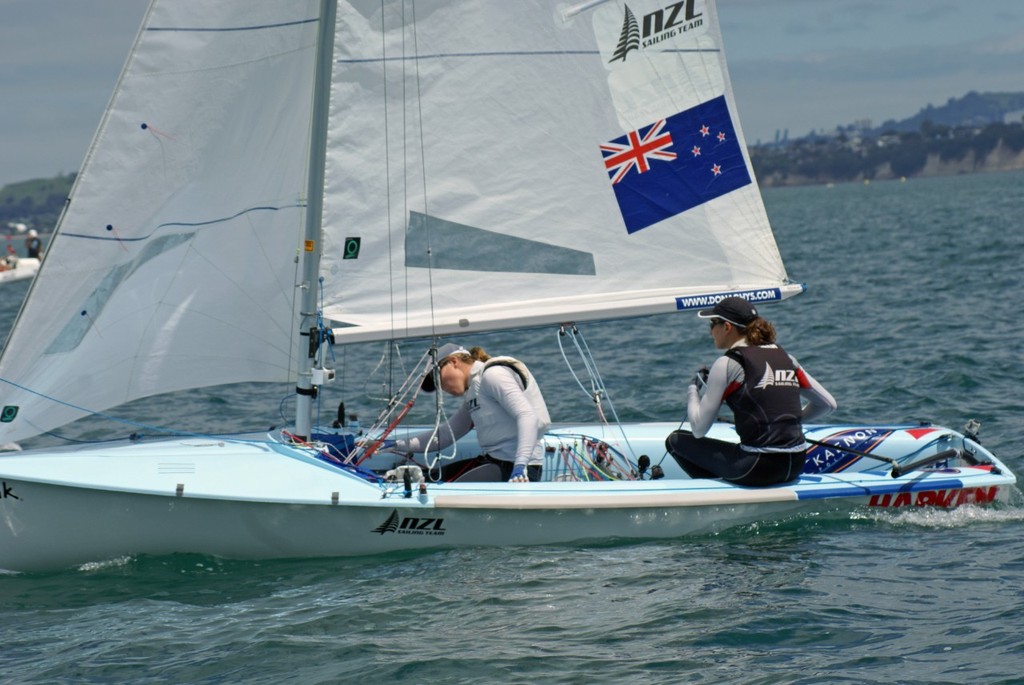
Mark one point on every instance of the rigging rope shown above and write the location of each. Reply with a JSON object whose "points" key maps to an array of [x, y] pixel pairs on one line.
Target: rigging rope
{"points": [[598, 391], [398, 406]]}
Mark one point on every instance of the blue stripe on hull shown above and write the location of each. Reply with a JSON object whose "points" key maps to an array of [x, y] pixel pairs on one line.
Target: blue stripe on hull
{"points": [[879, 489]]}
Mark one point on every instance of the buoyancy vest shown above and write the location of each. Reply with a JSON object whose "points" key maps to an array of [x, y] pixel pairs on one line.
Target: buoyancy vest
{"points": [[497, 431], [767, 405], [532, 391], [512, 363]]}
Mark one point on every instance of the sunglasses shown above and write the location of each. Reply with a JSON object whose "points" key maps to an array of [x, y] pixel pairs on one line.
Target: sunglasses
{"points": [[715, 322]]}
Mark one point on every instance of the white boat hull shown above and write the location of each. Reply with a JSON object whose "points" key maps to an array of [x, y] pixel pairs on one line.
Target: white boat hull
{"points": [[26, 268], [263, 500], [92, 525]]}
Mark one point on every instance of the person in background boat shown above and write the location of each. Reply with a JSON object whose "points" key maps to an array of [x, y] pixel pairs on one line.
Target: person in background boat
{"points": [[765, 387], [501, 400], [10, 260], [33, 245]]}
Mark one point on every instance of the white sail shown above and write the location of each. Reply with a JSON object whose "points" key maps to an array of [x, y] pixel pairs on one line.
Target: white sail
{"points": [[174, 264], [467, 179], [489, 165]]}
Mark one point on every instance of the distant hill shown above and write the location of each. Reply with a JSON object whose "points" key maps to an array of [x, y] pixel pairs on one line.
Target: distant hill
{"points": [[935, 150], [36, 203], [973, 109], [977, 133]]}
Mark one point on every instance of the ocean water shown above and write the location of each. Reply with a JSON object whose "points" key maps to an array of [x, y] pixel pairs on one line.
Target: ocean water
{"points": [[911, 314]]}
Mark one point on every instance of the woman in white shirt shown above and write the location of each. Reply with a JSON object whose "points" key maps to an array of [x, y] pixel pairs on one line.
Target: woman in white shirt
{"points": [[501, 400]]}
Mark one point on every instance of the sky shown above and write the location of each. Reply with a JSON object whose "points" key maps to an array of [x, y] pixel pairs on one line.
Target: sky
{"points": [[796, 65]]}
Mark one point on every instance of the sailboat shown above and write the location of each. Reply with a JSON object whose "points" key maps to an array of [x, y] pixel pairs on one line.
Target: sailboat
{"points": [[18, 269], [14, 268], [271, 180]]}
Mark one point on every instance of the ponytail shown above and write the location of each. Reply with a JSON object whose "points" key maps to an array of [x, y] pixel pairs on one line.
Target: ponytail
{"points": [[478, 354], [760, 332]]}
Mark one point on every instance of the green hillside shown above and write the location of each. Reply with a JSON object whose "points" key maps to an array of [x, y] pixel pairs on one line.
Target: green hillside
{"points": [[36, 203]]}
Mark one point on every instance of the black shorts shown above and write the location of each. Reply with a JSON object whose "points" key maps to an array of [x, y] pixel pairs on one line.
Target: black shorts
{"points": [[708, 458], [461, 470]]}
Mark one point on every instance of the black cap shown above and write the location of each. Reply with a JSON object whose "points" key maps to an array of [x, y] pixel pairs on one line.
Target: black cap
{"points": [[735, 310], [445, 351]]}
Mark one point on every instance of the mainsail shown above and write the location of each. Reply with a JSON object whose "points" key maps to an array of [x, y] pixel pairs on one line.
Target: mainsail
{"points": [[489, 165], [498, 165]]}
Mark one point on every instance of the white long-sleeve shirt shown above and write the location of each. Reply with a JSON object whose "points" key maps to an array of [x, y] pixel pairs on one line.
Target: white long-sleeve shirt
{"points": [[509, 420]]}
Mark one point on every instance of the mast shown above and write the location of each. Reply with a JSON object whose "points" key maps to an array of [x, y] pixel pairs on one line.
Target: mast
{"points": [[308, 331]]}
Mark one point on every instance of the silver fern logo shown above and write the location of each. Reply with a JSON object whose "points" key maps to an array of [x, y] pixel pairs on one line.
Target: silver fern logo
{"points": [[410, 525], [786, 377], [655, 27], [629, 39], [389, 526]]}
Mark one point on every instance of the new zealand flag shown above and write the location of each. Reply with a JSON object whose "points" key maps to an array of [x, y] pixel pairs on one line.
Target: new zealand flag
{"points": [[675, 164]]}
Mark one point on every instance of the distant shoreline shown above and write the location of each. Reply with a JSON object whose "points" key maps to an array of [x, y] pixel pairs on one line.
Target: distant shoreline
{"points": [[999, 160]]}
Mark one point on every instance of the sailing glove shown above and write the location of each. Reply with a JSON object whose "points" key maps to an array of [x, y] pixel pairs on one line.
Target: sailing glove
{"points": [[519, 474], [700, 379]]}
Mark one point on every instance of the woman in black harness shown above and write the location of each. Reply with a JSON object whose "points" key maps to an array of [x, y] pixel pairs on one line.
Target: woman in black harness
{"points": [[765, 388]]}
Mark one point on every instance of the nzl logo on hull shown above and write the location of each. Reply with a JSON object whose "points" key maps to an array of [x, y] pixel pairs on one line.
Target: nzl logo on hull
{"points": [[655, 27], [410, 525]]}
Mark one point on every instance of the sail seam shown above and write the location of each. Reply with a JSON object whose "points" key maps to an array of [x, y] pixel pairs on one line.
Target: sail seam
{"points": [[183, 224], [509, 53], [225, 29]]}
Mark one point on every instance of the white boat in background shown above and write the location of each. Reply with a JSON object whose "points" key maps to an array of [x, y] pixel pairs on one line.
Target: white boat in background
{"points": [[18, 269], [272, 177]]}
